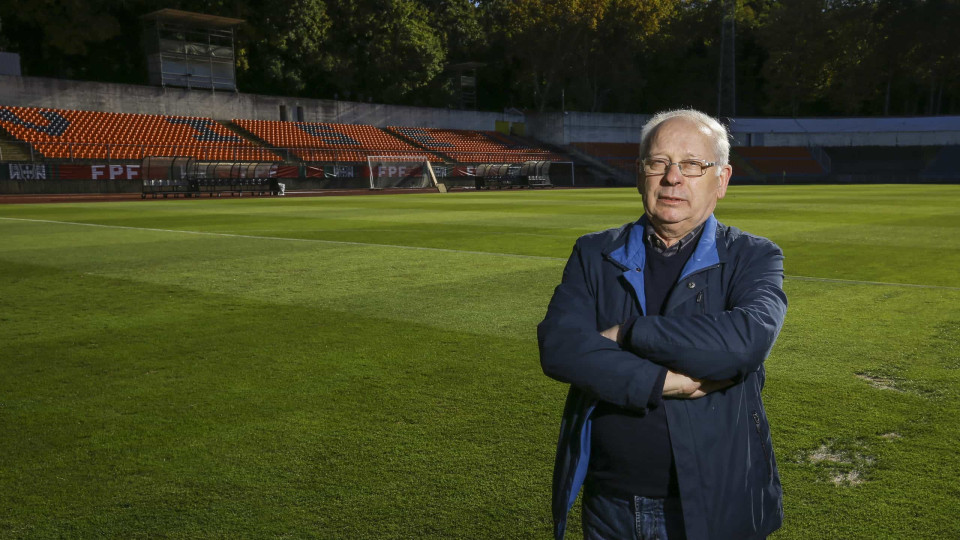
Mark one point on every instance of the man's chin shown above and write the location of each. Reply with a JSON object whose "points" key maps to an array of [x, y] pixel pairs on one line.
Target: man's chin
{"points": [[666, 218]]}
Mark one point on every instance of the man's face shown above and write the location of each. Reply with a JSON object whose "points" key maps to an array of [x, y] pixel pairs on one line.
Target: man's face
{"points": [[676, 204]]}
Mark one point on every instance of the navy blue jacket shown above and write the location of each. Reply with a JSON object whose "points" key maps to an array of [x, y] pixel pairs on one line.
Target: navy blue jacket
{"points": [[720, 322]]}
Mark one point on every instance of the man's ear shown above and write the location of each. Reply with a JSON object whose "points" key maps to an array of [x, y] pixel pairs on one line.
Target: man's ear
{"points": [[725, 173]]}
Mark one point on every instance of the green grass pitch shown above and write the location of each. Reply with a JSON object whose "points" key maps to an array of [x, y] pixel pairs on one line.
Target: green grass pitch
{"points": [[366, 367]]}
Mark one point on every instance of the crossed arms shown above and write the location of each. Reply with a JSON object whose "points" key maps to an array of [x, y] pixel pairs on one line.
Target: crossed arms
{"points": [[675, 385], [701, 353]]}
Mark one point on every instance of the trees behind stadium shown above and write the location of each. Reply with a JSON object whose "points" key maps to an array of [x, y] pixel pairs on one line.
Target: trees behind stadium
{"points": [[793, 57]]}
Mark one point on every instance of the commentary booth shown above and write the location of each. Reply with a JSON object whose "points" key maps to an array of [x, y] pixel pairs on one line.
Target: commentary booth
{"points": [[190, 50]]}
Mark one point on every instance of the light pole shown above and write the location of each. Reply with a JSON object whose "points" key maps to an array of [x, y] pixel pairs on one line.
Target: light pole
{"points": [[727, 79]]}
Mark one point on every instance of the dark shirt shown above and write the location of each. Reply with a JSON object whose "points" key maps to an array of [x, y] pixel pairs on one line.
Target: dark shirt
{"points": [[651, 240], [630, 451]]}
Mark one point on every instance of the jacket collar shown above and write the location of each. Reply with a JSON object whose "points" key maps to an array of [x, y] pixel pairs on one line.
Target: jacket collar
{"points": [[706, 254], [627, 250]]}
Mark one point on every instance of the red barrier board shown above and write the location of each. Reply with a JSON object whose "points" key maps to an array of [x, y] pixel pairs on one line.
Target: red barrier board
{"points": [[98, 172]]}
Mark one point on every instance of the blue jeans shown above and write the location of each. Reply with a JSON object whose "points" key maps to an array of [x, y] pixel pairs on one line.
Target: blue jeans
{"points": [[608, 517]]}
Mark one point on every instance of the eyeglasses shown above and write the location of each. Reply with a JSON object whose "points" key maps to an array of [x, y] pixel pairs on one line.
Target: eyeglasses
{"points": [[688, 167]]}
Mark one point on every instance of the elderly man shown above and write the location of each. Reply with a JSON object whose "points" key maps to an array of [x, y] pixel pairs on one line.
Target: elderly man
{"points": [[661, 328]]}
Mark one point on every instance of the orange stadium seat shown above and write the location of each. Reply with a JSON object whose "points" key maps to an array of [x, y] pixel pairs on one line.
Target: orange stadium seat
{"points": [[772, 160], [470, 146], [72, 134], [315, 141]]}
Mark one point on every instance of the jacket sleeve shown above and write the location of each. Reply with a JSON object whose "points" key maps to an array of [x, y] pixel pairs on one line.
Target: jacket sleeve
{"points": [[573, 351], [728, 344]]}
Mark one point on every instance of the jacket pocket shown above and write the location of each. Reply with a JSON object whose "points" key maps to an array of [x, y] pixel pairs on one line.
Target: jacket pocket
{"points": [[762, 438]]}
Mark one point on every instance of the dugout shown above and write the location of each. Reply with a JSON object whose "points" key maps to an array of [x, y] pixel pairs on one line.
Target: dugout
{"points": [[166, 176], [532, 174]]}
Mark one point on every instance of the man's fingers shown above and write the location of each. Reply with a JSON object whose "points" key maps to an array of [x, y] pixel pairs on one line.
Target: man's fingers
{"points": [[679, 385], [611, 333]]}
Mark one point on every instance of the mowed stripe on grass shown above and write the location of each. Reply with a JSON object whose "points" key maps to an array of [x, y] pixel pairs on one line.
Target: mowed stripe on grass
{"points": [[207, 385], [395, 246]]}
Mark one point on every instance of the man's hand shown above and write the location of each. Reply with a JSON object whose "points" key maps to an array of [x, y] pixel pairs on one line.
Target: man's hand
{"points": [[611, 333], [678, 385]]}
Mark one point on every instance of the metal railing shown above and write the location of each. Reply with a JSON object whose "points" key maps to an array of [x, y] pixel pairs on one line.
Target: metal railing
{"points": [[114, 152], [822, 158]]}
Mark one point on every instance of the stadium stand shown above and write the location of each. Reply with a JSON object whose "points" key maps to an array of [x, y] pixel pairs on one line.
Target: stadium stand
{"points": [[85, 135], [879, 161], [763, 159], [943, 166], [312, 141], [781, 160], [622, 156], [469, 146], [750, 163], [62, 134]]}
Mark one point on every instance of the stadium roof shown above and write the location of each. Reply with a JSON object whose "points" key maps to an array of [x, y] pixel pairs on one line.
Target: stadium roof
{"points": [[192, 19], [844, 125]]}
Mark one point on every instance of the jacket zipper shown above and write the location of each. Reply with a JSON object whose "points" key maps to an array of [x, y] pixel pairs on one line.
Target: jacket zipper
{"points": [[763, 445]]}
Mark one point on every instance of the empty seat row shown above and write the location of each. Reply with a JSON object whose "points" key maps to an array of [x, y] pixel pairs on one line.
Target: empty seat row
{"points": [[773, 160], [322, 135], [475, 146], [73, 134], [76, 134]]}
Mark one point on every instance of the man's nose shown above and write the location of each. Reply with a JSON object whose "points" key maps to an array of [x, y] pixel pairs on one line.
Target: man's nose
{"points": [[672, 175]]}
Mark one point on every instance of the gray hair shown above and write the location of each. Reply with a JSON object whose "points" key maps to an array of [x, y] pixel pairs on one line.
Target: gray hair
{"points": [[716, 131]]}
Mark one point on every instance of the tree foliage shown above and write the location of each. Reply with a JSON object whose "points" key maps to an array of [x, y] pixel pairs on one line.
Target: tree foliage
{"points": [[794, 57]]}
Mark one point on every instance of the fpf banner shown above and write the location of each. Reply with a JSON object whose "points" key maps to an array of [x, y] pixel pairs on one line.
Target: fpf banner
{"points": [[98, 172]]}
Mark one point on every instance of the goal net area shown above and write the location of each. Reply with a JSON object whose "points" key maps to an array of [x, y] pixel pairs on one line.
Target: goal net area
{"points": [[387, 172]]}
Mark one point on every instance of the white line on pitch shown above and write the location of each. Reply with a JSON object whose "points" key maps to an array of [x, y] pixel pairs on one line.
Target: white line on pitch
{"points": [[443, 250], [310, 240]]}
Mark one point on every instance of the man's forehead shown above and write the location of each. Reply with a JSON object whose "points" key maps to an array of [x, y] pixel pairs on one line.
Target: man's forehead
{"points": [[680, 126]]}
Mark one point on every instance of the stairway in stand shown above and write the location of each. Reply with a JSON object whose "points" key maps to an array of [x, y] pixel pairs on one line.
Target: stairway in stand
{"points": [[12, 150]]}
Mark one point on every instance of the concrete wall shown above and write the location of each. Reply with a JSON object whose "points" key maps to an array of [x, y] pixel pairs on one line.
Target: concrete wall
{"points": [[931, 138], [890, 131], [562, 128], [571, 127], [128, 98], [603, 127], [559, 128]]}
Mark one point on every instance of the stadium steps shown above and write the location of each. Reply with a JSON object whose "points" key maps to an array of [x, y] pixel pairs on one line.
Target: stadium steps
{"points": [[742, 168], [511, 141], [533, 143], [780, 164], [13, 149], [521, 141], [943, 165], [517, 141], [416, 144], [246, 134], [595, 167]]}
